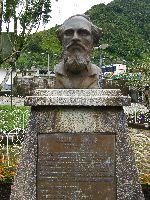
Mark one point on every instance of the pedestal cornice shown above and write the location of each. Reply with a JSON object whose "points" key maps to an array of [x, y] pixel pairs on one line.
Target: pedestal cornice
{"points": [[77, 97]]}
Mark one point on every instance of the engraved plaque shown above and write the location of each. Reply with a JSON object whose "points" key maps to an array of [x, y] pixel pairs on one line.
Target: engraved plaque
{"points": [[76, 166]]}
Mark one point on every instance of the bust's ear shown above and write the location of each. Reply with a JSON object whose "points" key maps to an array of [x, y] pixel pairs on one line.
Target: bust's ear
{"points": [[59, 33], [96, 33]]}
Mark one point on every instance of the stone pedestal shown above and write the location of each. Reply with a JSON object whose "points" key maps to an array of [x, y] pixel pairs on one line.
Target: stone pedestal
{"points": [[77, 147]]}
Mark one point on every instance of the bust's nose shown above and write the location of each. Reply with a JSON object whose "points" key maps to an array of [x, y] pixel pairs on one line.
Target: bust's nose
{"points": [[75, 36]]}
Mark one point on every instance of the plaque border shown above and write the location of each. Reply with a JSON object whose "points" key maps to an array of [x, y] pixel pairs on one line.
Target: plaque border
{"points": [[79, 133]]}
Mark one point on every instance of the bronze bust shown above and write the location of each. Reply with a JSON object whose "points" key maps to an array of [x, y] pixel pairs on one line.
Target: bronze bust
{"points": [[77, 36]]}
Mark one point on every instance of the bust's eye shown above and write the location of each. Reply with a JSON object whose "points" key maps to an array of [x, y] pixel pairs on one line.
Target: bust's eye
{"points": [[68, 32], [83, 32]]}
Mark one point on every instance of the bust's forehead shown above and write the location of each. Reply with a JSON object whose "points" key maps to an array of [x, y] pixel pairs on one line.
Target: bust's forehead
{"points": [[77, 22]]}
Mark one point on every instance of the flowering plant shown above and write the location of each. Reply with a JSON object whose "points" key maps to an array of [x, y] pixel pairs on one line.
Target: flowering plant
{"points": [[7, 171], [145, 179]]}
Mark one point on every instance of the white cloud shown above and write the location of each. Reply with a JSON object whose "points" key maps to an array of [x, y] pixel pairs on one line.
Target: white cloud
{"points": [[62, 9]]}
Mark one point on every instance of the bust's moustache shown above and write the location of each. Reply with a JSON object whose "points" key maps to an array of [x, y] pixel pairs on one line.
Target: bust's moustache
{"points": [[75, 44]]}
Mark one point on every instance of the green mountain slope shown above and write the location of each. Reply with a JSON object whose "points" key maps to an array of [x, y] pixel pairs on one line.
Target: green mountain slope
{"points": [[126, 28]]}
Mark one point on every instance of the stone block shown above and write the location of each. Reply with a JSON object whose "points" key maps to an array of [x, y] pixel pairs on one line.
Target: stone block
{"points": [[77, 147]]}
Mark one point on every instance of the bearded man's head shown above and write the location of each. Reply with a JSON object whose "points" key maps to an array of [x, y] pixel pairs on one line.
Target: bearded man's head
{"points": [[77, 36]]}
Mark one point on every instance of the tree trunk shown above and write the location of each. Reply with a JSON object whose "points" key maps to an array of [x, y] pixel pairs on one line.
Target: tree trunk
{"points": [[8, 72]]}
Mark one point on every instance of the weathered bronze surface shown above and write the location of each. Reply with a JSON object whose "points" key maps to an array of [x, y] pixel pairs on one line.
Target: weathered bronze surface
{"points": [[77, 36], [74, 166]]}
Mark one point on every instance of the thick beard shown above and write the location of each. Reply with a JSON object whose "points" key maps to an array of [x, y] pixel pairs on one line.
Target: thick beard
{"points": [[76, 62]]}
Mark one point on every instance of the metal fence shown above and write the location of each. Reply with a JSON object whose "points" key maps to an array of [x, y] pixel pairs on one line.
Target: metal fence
{"points": [[11, 144], [12, 133]]}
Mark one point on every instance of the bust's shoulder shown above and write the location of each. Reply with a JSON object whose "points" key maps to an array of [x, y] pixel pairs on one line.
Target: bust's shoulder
{"points": [[59, 68], [95, 69]]}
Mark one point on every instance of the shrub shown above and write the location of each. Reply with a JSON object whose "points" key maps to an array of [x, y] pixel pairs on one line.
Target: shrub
{"points": [[145, 179], [7, 172], [15, 117]]}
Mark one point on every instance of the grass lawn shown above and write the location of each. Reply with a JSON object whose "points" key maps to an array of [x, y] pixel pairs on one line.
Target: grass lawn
{"points": [[12, 118]]}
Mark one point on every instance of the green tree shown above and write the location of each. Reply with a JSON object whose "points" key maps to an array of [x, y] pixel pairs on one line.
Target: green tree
{"points": [[126, 28], [32, 14], [27, 15], [139, 75], [41, 44]]}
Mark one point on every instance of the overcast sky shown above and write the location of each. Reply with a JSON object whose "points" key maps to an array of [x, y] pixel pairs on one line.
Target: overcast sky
{"points": [[62, 9]]}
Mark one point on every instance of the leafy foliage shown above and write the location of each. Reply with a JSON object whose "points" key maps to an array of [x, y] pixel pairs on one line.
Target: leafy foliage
{"points": [[33, 12], [15, 117], [7, 172], [42, 44], [145, 179], [126, 26]]}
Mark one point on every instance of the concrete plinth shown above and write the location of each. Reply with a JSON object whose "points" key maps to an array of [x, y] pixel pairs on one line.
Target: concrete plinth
{"points": [[77, 147]]}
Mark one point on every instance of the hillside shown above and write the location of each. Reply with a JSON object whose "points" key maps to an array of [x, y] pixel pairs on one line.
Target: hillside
{"points": [[126, 28]]}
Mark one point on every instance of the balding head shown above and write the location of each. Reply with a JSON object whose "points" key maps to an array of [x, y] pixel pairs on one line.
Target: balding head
{"points": [[77, 36], [78, 21]]}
